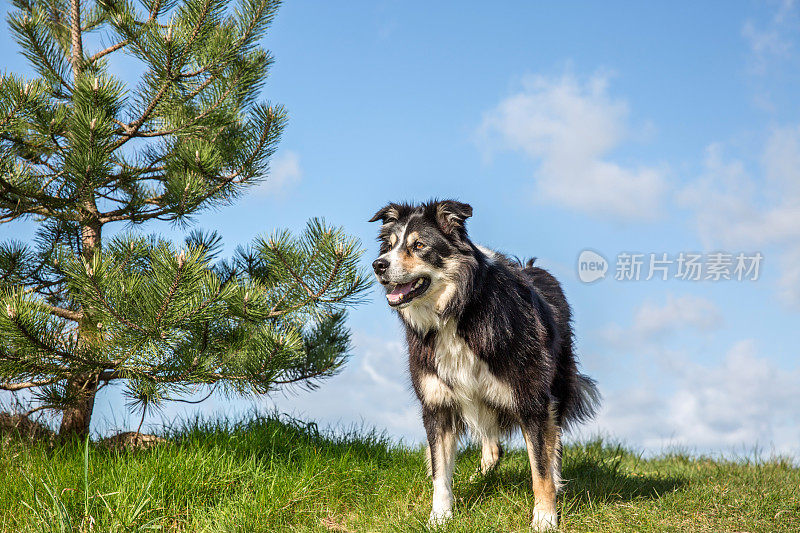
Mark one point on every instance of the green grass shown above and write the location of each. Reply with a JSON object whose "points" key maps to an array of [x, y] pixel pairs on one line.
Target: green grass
{"points": [[267, 474]]}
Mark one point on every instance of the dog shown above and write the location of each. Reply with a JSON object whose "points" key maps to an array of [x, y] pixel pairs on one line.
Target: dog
{"points": [[490, 347]]}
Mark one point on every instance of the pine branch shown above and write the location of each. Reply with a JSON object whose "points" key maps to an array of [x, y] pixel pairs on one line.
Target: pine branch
{"points": [[333, 275], [10, 386], [133, 128], [9, 116], [172, 289], [202, 307], [110, 308], [195, 73], [26, 31], [149, 373], [102, 53], [305, 377], [125, 214], [272, 127], [46, 202], [29, 412], [36, 341], [291, 271], [121, 44], [201, 400], [197, 118], [262, 141], [75, 316], [199, 25]]}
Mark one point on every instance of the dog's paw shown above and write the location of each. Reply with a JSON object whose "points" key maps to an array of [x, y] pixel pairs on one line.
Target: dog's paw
{"points": [[439, 518], [490, 457], [544, 521]]}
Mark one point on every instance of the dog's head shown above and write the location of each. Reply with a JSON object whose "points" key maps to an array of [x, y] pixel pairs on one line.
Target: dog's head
{"points": [[422, 249]]}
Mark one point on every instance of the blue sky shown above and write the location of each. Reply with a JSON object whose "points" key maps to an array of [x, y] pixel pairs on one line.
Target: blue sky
{"points": [[615, 127]]}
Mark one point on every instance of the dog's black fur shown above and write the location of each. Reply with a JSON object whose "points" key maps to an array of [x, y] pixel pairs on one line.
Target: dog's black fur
{"points": [[514, 319]]}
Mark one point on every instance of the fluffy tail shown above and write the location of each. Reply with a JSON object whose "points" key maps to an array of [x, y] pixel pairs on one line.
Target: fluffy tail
{"points": [[586, 402]]}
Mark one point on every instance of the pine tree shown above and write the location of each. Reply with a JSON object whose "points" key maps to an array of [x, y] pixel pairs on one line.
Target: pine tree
{"points": [[78, 152]]}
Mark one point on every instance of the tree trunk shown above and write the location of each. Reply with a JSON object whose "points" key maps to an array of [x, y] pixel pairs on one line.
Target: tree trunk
{"points": [[77, 38], [78, 416]]}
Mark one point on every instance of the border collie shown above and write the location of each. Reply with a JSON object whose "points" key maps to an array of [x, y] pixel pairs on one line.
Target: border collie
{"points": [[490, 347]]}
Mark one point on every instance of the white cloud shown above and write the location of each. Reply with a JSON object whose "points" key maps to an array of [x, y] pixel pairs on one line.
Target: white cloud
{"points": [[677, 313], [570, 128], [284, 173], [764, 43], [652, 321], [669, 398], [721, 200], [734, 208], [771, 39], [789, 280], [740, 401], [735, 406], [781, 162]]}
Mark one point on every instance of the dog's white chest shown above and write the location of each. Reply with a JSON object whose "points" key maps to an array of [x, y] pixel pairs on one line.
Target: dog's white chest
{"points": [[467, 382], [459, 367]]}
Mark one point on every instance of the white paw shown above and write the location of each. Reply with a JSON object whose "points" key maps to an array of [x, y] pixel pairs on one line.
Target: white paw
{"points": [[439, 518], [544, 521]]}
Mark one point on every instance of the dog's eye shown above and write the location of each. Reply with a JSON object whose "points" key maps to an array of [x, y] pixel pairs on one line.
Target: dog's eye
{"points": [[419, 245]]}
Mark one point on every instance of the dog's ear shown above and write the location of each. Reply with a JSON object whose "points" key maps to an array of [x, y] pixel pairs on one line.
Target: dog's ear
{"points": [[390, 213], [451, 215]]}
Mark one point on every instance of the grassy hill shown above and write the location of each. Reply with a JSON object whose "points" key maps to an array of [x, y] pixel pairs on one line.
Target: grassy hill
{"points": [[271, 474]]}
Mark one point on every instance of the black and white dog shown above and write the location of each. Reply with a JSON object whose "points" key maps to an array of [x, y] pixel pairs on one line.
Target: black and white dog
{"points": [[490, 347]]}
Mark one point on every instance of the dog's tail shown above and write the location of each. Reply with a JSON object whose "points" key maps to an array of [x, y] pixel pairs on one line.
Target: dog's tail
{"points": [[585, 402]]}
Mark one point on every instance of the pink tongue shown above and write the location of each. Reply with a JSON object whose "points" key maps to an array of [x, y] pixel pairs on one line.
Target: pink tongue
{"points": [[401, 290]]}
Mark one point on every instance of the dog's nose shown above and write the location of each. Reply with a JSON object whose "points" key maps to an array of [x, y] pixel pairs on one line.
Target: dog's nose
{"points": [[380, 266]]}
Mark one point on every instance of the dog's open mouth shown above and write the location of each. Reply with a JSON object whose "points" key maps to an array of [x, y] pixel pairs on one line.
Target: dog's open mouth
{"points": [[405, 292]]}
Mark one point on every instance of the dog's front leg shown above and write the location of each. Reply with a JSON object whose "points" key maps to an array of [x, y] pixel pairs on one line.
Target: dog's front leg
{"points": [[442, 439]]}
